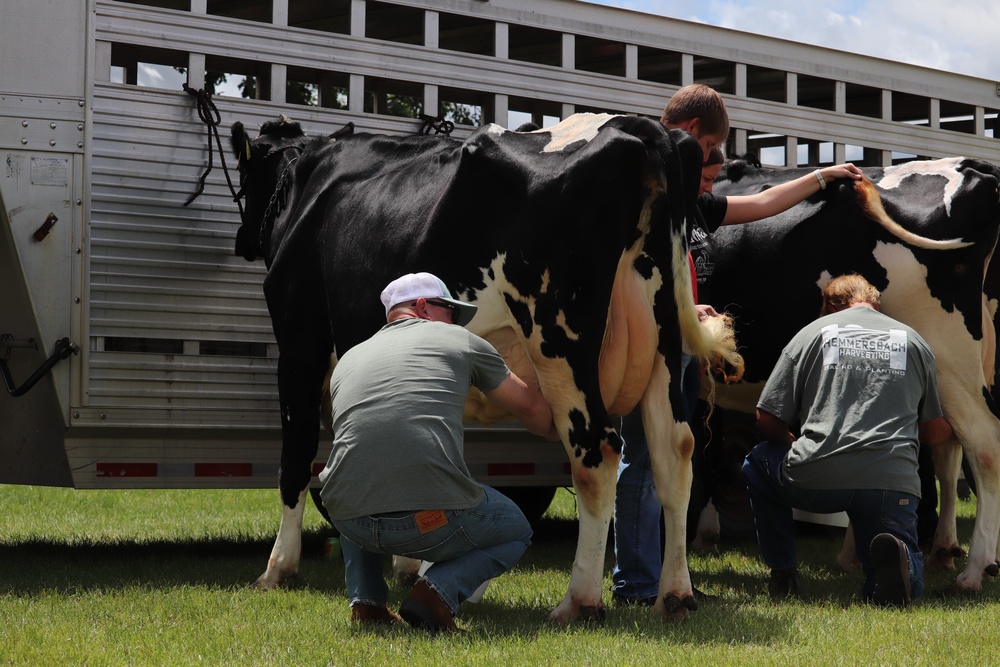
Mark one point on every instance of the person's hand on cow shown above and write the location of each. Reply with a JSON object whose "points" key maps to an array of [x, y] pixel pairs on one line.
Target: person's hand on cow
{"points": [[778, 199], [524, 401], [705, 311], [846, 170]]}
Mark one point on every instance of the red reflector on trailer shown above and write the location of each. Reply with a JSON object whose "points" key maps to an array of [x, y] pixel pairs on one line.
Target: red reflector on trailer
{"points": [[223, 470], [126, 469], [504, 469]]}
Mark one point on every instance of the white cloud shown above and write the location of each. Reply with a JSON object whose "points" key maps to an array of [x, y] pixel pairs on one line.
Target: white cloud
{"points": [[956, 37]]}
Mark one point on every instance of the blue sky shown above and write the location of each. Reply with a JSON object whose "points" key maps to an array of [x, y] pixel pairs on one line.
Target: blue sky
{"points": [[959, 36]]}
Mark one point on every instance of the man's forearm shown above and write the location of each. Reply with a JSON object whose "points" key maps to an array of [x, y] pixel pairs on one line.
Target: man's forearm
{"points": [[773, 429]]}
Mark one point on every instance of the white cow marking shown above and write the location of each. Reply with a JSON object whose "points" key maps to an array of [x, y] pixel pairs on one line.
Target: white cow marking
{"points": [[576, 127], [947, 167]]}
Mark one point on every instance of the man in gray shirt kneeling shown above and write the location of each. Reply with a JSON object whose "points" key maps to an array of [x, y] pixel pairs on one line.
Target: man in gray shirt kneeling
{"points": [[396, 481], [862, 387]]}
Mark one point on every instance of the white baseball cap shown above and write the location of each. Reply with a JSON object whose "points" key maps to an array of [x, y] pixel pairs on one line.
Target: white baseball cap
{"points": [[415, 286]]}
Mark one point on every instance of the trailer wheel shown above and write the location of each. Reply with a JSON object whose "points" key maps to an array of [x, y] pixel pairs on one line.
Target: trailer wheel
{"points": [[532, 500]]}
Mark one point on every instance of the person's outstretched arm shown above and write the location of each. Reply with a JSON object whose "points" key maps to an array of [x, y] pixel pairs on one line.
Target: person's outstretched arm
{"points": [[780, 198]]}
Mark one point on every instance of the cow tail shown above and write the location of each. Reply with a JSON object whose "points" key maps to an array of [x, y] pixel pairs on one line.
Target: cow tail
{"points": [[871, 205], [712, 340]]}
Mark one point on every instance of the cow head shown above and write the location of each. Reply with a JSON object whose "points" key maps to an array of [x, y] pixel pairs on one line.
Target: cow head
{"points": [[263, 162]]}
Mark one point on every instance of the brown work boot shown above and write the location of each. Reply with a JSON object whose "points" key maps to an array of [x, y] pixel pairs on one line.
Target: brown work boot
{"points": [[424, 608], [785, 583], [373, 614], [891, 561]]}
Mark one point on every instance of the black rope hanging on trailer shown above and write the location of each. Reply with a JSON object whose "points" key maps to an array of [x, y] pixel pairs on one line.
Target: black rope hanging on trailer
{"points": [[209, 115], [438, 124]]}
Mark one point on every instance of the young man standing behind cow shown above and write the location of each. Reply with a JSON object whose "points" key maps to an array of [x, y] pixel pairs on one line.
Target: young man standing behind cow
{"points": [[396, 481], [862, 387], [701, 111]]}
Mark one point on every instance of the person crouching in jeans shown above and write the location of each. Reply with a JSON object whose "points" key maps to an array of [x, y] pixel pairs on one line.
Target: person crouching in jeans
{"points": [[863, 388]]}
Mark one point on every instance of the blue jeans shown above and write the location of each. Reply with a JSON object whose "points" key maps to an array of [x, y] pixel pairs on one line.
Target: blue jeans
{"points": [[871, 512], [638, 524], [474, 545]]}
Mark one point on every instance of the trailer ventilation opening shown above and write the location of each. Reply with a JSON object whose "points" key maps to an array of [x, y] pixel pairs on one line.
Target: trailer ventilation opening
{"points": [[170, 346]]}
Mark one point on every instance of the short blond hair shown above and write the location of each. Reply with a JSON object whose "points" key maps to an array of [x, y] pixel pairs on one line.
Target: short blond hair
{"points": [[842, 291], [698, 101]]}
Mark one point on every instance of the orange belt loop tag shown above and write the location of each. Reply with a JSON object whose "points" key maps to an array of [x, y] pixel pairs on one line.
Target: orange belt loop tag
{"points": [[430, 520]]}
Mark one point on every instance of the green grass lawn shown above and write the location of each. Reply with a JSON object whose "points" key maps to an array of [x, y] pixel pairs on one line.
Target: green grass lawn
{"points": [[160, 577]]}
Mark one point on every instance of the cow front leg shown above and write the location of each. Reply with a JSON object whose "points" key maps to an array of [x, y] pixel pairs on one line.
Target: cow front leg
{"points": [[671, 445], [595, 493], [947, 463], [283, 564], [299, 388]]}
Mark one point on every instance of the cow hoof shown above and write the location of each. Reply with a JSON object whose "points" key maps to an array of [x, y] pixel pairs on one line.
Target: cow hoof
{"points": [[677, 609], [847, 563], [568, 612], [992, 570], [956, 590], [706, 542], [940, 559], [958, 552], [593, 613], [270, 580], [407, 579]]}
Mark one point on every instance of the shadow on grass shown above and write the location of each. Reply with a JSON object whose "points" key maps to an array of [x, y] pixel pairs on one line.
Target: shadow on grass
{"points": [[737, 580], [36, 566]]}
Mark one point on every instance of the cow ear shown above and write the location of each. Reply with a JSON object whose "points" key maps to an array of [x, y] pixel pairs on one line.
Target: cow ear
{"points": [[346, 131]]}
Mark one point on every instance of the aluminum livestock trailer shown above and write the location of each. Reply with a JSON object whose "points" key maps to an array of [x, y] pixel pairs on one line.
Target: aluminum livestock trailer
{"points": [[136, 348]]}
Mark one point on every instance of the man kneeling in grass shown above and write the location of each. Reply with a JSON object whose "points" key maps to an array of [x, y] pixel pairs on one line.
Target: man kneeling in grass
{"points": [[396, 482], [863, 388]]}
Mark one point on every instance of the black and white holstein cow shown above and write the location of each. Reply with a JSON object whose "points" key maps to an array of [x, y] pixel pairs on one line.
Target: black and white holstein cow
{"points": [[571, 242], [931, 274]]}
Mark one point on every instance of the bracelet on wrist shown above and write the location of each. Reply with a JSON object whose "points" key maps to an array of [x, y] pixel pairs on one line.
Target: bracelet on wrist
{"points": [[819, 177]]}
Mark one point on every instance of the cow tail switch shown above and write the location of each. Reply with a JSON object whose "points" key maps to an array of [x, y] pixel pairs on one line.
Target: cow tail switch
{"points": [[63, 349]]}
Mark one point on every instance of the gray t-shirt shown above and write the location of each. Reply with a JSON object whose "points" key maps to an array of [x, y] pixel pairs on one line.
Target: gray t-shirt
{"points": [[860, 382], [398, 400]]}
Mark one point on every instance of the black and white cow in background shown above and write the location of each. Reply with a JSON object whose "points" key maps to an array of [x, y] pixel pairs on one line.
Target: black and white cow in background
{"points": [[769, 274], [571, 242]]}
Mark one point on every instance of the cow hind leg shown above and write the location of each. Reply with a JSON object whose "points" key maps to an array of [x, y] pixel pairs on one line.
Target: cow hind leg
{"points": [[709, 530], [947, 463], [595, 492], [283, 564], [671, 445], [983, 552]]}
